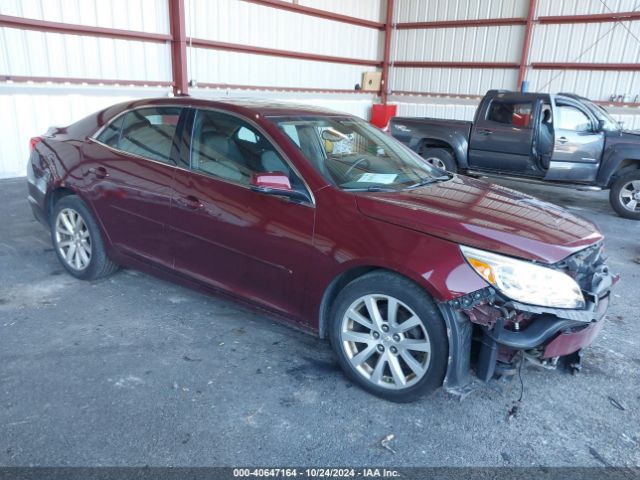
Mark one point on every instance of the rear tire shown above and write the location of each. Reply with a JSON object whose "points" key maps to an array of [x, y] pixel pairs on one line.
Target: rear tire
{"points": [[389, 337], [440, 158], [624, 195], [77, 240]]}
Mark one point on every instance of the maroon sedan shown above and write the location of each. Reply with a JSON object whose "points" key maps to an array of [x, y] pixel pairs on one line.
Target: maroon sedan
{"points": [[413, 273]]}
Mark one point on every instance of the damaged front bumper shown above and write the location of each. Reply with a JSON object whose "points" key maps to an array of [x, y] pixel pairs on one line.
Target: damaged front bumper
{"points": [[501, 328]]}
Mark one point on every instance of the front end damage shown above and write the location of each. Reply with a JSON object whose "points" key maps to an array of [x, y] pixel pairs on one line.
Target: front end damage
{"points": [[487, 330]]}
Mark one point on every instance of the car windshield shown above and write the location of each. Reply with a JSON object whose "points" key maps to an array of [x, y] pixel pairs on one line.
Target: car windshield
{"points": [[354, 155], [610, 123]]}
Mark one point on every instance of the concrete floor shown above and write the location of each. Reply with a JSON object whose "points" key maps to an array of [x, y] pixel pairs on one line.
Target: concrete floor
{"points": [[132, 370]]}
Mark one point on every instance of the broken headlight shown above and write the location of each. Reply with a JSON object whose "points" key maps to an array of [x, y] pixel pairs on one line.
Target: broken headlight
{"points": [[525, 281]]}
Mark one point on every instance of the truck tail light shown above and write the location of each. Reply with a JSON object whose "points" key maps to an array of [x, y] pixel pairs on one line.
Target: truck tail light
{"points": [[33, 142]]}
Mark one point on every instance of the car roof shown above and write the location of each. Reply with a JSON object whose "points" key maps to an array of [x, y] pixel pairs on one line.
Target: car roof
{"points": [[246, 106]]}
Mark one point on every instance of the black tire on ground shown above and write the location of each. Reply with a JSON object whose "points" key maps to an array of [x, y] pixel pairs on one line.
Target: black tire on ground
{"points": [[417, 299], [99, 264], [617, 189], [439, 157]]}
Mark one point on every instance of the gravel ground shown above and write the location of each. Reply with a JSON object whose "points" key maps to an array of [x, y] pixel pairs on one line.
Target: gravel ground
{"points": [[132, 370]]}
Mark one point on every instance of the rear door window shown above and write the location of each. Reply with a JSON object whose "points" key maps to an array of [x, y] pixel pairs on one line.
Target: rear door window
{"points": [[150, 132]]}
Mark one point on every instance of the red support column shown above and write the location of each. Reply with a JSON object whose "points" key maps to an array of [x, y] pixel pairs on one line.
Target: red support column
{"points": [[178, 47], [384, 87], [527, 43]]}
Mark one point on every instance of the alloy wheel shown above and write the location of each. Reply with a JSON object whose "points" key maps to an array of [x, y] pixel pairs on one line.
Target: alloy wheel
{"points": [[73, 239], [436, 162], [630, 196], [385, 341]]}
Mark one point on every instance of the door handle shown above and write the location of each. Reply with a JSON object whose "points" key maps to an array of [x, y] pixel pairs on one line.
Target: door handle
{"points": [[99, 172], [485, 131], [563, 140], [190, 202]]}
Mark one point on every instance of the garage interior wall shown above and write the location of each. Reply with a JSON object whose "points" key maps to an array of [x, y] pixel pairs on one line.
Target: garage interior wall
{"points": [[444, 55]]}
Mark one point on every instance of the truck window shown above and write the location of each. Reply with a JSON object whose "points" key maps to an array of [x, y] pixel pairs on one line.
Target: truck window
{"points": [[510, 113], [572, 118]]}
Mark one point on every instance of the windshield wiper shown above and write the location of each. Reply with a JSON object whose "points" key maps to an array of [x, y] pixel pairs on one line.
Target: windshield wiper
{"points": [[428, 181], [373, 188]]}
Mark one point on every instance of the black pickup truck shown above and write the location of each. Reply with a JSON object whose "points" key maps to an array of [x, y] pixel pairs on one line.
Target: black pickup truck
{"points": [[562, 139]]}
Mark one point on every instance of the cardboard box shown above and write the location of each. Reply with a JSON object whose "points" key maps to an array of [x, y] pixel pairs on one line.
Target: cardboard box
{"points": [[371, 81]]}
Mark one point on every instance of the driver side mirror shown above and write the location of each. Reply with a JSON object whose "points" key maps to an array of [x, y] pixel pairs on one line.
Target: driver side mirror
{"points": [[276, 183], [601, 124]]}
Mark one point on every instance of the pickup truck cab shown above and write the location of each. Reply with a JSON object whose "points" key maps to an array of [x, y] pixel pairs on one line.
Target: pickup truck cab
{"points": [[561, 139]]}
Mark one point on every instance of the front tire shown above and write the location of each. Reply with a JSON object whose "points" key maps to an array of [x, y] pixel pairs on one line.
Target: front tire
{"points": [[389, 337], [624, 195], [77, 240]]}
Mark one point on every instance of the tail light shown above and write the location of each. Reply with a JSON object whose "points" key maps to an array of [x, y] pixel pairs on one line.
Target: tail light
{"points": [[33, 142]]}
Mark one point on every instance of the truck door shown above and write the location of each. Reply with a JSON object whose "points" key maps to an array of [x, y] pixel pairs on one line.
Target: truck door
{"points": [[502, 136], [578, 143]]}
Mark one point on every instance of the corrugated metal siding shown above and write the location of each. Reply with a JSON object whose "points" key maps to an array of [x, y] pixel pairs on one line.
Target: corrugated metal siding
{"points": [[451, 80], [246, 23], [34, 53], [213, 66], [30, 111], [471, 44], [141, 15], [584, 7], [432, 10], [373, 10]]}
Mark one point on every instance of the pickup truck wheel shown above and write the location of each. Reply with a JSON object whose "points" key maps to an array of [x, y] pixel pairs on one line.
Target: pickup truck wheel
{"points": [[625, 195], [440, 158], [389, 337]]}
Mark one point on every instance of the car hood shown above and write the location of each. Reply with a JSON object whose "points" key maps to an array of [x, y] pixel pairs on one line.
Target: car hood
{"points": [[490, 217]]}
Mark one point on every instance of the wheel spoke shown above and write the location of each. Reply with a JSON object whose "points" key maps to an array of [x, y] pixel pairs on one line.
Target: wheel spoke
{"points": [[396, 370], [410, 323], [84, 234], [626, 194], [76, 259], [70, 253], [374, 311], [632, 204], [416, 345], [358, 337], [83, 255], [413, 364], [65, 243], [376, 375], [362, 356], [636, 185], [392, 311], [67, 222], [356, 317]]}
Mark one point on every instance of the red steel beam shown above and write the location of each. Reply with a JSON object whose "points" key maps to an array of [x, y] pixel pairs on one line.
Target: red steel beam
{"points": [[178, 47], [594, 18], [526, 45], [412, 64], [388, 28], [586, 66], [314, 12], [480, 22], [83, 81], [234, 86], [85, 30], [235, 47]]}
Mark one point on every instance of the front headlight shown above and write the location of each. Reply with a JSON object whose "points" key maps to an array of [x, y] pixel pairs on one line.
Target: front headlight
{"points": [[524, 281]]}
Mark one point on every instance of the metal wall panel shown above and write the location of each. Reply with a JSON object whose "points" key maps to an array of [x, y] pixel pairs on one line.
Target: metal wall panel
{"points": [[141, 15], [214, 66], [584, 7], [373, 10], [452, 80], [470, 44], [246, 23], [35, 53], [432, 10]]}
